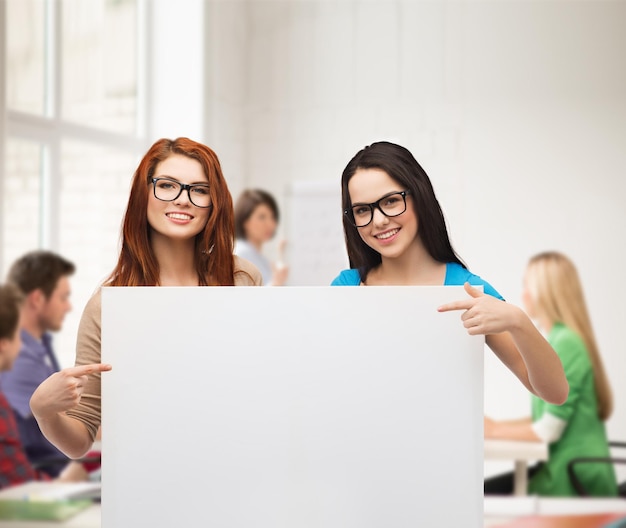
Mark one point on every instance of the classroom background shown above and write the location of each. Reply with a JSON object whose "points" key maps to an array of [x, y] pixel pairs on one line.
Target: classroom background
{"points": [[516, 109]]}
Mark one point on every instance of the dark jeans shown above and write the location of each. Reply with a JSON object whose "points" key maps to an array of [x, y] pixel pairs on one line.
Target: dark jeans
{"points": [[503, 484]]}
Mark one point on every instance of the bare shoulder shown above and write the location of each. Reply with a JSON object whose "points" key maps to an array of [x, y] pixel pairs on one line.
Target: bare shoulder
{"points": [[246, 273]]}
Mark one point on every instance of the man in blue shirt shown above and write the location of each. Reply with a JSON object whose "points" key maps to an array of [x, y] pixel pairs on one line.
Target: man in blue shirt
{"points": [[43, 278]]}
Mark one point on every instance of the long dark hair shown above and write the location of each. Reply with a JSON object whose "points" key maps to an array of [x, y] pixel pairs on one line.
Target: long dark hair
{"points": [[137, 264], [400, 164]]}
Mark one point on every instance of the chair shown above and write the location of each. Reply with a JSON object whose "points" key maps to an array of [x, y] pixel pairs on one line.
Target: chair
{"points": [[578, 486]]}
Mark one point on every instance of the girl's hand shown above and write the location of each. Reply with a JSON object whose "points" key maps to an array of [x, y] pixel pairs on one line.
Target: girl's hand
{"points": [[484, 314], [280, 272], [62, 390]]}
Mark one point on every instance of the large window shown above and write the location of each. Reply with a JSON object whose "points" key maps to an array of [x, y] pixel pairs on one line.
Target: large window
{"points": [[99, 48], [22, 199], [74, 132], [26, 55], [92, 197]]}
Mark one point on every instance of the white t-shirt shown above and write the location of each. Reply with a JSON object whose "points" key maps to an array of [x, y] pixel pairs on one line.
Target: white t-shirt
{"points": [[247, 251]]}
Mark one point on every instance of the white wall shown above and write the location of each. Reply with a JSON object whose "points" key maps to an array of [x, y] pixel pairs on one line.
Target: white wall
{"points": [[226, 80], [516, 109], [175, 73]]}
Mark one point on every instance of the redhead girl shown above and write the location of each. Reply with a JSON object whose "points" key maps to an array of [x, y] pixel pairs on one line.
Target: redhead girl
{"points": [[178, 230]]}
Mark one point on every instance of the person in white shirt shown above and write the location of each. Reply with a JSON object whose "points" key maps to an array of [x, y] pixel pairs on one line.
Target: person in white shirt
{"points": [[256, 221]]}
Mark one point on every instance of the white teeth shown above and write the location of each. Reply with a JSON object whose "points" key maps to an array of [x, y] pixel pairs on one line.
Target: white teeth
{"points": [[179, 216], [388, 234]]}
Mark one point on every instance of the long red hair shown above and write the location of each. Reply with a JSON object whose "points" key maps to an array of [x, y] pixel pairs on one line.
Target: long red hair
{"points": [[214, 261]]}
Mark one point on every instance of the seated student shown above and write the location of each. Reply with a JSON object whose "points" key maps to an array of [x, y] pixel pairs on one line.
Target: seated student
{"points": [[14, 465], [44, 279], [553, 296]]}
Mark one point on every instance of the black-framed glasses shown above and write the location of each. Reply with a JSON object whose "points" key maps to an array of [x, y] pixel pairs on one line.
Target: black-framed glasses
{"points": [[167, 190], [392, 204]]}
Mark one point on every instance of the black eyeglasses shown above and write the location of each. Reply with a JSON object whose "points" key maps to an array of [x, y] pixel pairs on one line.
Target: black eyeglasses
{"points": [[392, 204], [168, 190]]}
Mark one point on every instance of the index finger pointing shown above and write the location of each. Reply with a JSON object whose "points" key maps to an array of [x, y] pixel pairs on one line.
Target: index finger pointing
{"points": [[83, 370], [457, 305]]}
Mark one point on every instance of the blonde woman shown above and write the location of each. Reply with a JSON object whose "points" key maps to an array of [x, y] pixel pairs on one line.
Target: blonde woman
{"points": [[553, 297]]}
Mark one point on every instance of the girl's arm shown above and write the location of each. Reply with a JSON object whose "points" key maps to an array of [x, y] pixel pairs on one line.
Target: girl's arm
{"points": [[516, 341], [511, 430], [531, 358]]}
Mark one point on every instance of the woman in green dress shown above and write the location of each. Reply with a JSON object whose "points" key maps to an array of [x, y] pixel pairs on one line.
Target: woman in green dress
{"points": [[554, 298]]}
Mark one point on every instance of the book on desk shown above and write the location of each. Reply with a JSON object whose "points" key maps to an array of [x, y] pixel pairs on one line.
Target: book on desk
{"points": [[47, 501]]}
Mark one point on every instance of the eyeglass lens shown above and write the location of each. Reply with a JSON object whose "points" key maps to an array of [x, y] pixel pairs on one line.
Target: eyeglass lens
{"points": [[390, 205], [169, 190]]}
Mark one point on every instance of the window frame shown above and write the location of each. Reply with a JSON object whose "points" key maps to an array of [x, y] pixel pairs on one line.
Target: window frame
{"points": [[50, 130]]}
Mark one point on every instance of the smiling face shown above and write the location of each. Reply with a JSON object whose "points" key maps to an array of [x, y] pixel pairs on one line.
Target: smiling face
{"points": [[391, 237], [179, 219]]}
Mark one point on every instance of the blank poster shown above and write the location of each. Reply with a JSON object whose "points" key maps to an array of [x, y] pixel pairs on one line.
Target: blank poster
{"points": [[296, 407]]}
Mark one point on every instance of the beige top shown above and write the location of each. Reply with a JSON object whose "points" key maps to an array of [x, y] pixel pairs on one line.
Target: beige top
{"points": [[88, 347]]}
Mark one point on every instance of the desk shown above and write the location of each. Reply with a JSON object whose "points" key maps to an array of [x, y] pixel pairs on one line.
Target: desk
{"points": [[521, 453], [88, 518]]}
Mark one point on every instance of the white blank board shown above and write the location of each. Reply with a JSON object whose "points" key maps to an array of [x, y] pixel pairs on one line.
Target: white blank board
{"points": [[297, 407]]}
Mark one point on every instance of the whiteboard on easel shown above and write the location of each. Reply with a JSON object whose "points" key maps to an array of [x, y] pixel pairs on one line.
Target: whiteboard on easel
{"points": [[316, 247], [290, 407]]}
